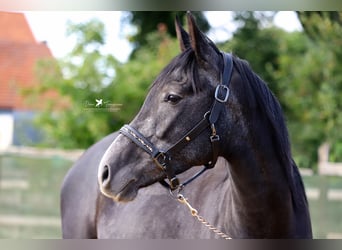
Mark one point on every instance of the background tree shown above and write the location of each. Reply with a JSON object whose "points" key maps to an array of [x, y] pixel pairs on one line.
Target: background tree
{"points": [[148, 21], [308, 19], [316, 80]]}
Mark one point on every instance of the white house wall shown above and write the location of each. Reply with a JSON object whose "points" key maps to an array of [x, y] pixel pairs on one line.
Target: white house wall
{"points": [[6, 129]]}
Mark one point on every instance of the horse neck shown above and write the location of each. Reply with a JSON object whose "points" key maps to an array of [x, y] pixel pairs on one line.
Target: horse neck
{"points": [[259, 188], [267, 155], [257, 171]]}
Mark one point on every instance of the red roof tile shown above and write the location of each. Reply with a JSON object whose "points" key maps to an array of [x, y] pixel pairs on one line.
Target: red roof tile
{"points": [[14, 28], [19, 53]]}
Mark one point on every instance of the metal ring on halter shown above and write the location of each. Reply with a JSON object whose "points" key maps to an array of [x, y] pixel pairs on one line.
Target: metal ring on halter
{"points": [[175, 192]]}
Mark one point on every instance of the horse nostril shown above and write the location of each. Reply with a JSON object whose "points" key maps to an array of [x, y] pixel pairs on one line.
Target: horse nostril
{"points": [[105, 174]]}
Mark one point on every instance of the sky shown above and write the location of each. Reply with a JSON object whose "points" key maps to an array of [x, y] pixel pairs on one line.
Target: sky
{"points": [[50, 26]]}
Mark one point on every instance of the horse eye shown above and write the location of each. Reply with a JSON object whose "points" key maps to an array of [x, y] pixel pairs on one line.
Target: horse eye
{"points": [[172, 98]]}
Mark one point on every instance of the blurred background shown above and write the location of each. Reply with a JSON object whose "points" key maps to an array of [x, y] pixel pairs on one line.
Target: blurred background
{"points": [[56, 67]]}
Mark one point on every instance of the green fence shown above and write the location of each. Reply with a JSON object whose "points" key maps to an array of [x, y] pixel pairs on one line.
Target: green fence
{"points": [[29, 199]]}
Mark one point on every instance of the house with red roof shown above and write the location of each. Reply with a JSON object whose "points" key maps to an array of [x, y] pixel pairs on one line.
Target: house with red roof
{"points": [[19, 54]]}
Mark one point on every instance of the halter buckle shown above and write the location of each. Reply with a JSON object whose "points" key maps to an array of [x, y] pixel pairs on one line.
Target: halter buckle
{"points": [[161, 159], [174, 183], [219, 90], [214, 138]]}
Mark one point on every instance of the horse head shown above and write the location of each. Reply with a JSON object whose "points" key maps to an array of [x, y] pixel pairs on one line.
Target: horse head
{"points": [[177, 126]]}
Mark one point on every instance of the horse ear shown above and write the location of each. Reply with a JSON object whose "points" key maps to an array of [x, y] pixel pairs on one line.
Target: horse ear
{"points": [[182, 35], [200, 43]]}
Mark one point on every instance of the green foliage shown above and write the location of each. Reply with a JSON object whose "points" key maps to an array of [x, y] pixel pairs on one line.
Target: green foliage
{"points": [[316, 23], [322, 67], [71, 120], [80, 78]]}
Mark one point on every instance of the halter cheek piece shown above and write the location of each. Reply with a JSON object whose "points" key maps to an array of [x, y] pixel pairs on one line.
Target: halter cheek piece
{"points": [[162, 158]]}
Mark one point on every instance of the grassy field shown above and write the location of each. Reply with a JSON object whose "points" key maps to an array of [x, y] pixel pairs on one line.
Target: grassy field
{"points": [[29, 199], [29, 196]]}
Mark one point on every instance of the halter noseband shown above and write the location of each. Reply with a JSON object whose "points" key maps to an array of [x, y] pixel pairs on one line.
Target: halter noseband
{"points": [[162, 158]]}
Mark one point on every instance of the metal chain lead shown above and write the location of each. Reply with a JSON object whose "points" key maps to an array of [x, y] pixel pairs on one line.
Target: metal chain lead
{"points": [[194, 213]]}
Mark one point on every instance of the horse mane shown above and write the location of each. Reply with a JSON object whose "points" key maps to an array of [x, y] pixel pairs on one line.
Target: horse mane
{"points": [[257, 93]]}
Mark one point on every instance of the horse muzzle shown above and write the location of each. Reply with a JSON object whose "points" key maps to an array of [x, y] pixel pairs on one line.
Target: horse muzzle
{"points": [[124, 191]]}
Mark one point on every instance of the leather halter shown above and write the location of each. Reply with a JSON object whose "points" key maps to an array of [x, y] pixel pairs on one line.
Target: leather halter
{"points": [[162, 158]]}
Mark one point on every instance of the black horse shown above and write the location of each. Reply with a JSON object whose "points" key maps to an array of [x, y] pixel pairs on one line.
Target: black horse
{"points": [[205, 107]]}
